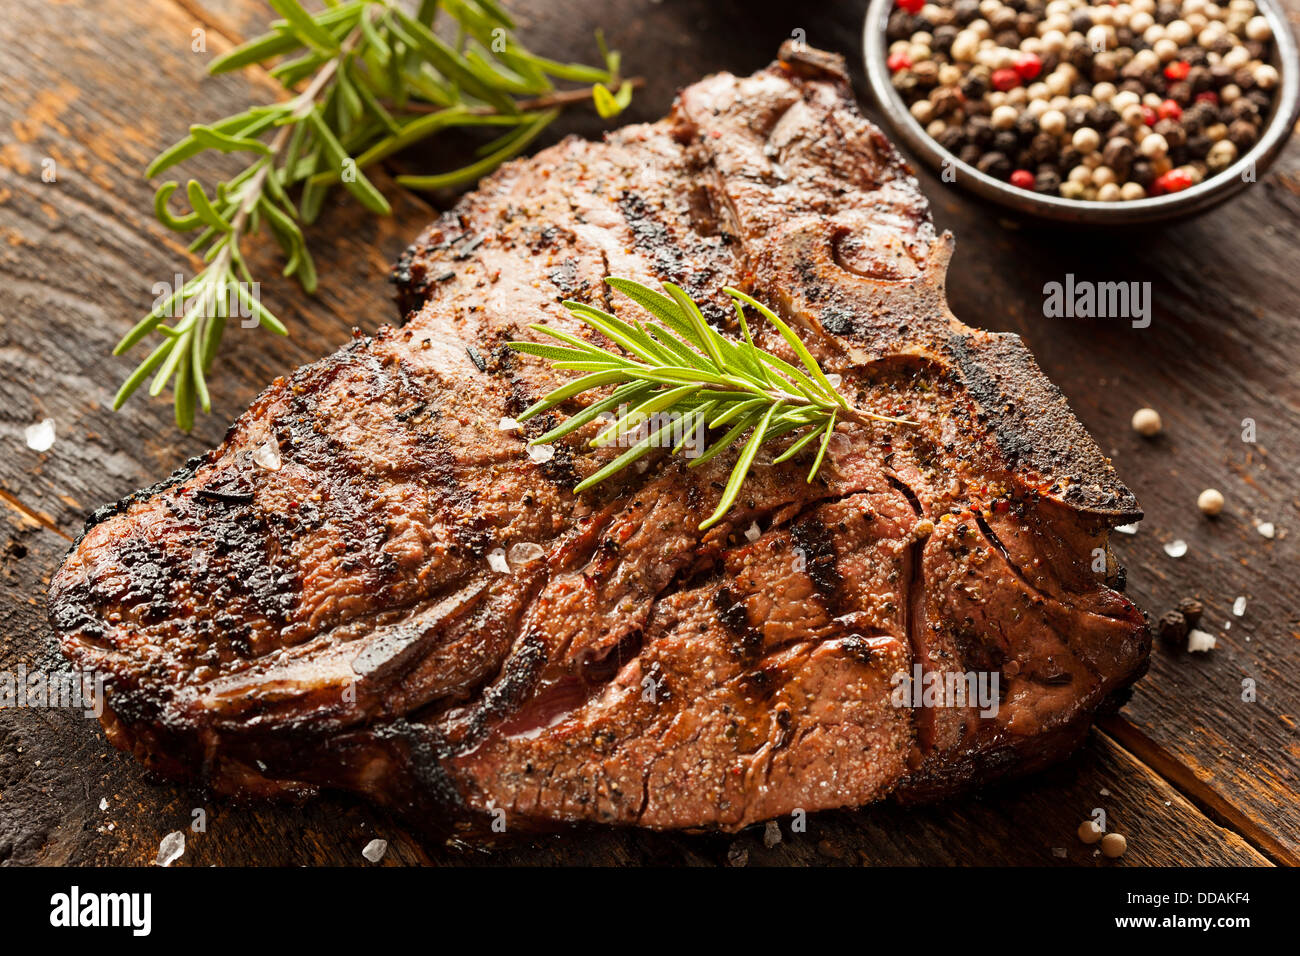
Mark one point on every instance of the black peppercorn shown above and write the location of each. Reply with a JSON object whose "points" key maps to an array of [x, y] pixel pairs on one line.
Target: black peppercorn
{"points": [[945, 100], [1118, 155], [1196, 116], [980, 130], [899, 26], [942, 37], [994, 164], [1142, 173], [1172, 627], [1172, 131], [1048, 182], [1005, 141], [1242, 109], [974, 86], [952, 139], [1242, 134], [1260, 98], [1102, 116], [966, 11], [927, 73], [1191, 608], [1042, 148], [1004, 18]]}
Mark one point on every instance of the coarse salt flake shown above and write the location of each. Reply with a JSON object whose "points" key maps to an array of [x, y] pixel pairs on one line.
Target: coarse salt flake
{"points": [[497, 561], [1176, 548], [375, 850], [171, 848], [541, 453], [40, 437], [752, 533], [508, 424], [1239, 606], [1266, 529], [1199, 642], [524, 551], [267, 455], [1126, 528]]}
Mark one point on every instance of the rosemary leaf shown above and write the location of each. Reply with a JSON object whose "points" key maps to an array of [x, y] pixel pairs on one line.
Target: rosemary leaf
{"points": [[687, 370], [362, 79]]}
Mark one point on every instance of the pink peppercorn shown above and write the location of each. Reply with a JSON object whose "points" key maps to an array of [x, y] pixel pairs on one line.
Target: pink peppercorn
{"points": [[1007, 79], [1028, 66], [1174, 181], [1022, 179]]}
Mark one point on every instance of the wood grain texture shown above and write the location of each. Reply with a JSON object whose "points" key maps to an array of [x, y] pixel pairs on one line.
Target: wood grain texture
{"points": [[78, 258]]}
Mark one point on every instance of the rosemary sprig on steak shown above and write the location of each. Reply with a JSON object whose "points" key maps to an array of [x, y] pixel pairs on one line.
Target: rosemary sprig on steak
{"points": [[363, 80], [678, 372]]}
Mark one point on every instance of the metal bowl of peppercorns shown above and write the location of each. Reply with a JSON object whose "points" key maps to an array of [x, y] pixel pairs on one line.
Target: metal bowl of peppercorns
{"points": [[1088, 111]]}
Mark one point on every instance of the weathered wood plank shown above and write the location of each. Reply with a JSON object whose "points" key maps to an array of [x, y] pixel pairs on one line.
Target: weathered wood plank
{"points": [[78, 262], [80, 256]]}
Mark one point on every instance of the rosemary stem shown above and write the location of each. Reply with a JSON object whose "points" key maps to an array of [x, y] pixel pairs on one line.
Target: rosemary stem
{"points": [[251, 191], [558, 98]]}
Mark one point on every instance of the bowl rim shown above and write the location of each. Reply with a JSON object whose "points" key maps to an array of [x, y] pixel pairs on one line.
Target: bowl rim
{"points": [[1209, 192]]}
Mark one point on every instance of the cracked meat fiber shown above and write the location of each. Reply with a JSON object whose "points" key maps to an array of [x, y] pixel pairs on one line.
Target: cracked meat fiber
{"points": [[322, 601]]}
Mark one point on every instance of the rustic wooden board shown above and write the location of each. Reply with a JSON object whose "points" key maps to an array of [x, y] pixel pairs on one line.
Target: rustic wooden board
{"points": [[79, 257]]}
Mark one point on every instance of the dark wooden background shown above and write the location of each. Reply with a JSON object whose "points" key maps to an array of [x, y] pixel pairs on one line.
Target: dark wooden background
{"points": [[1190, 772]]}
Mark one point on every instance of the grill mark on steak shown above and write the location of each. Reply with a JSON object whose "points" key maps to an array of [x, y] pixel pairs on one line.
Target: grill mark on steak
{"points": [[819, 549], [637, 671], [1006, 556]]}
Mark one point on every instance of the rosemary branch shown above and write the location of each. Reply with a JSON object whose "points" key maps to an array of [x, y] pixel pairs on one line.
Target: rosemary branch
{"points": [[363, 79], [676, 373]]}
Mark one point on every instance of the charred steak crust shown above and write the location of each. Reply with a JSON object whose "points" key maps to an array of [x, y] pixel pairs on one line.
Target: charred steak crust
{"points": [[319, 602]]}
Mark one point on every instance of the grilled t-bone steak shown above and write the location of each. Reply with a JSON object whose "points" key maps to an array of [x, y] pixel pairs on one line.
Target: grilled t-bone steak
{"points": [[322, 600]]}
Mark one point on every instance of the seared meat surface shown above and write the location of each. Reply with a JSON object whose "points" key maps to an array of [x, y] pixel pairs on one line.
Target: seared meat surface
{"points": [[371, 585]]}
